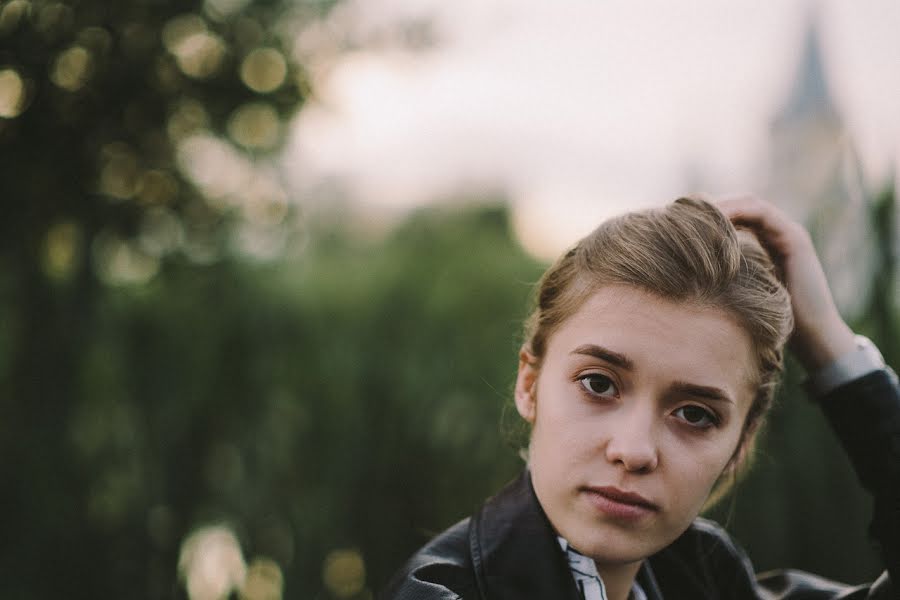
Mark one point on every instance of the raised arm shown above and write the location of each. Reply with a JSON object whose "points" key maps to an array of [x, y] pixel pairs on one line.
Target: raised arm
{"points": [[857, 392], [820, 334]]}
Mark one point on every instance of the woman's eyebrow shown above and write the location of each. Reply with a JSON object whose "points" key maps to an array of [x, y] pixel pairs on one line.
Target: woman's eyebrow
{"points": [[620, 360], [701, 391]]}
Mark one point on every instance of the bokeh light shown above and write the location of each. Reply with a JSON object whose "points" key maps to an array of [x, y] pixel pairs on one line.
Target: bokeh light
{"points": [[122, 262], [344, 573], [161, 232], [214, 166], [264, 206], [274, 538], [12, 93], [198, 52], [12, 14], [188, 117], [179, 28], [264, 70], [221, 9], [211, 563], [62, 247], [255, 126], [120, 172], [200, 55], [72, 68], [264, 581], [265, 202], [54, 19]]}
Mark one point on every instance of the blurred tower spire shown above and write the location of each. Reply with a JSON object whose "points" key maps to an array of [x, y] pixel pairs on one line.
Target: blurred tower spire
{"points": [[816, 175], [810, 97]]}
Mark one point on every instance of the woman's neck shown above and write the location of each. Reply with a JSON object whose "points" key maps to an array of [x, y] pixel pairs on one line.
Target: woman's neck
{"points": [[618, 578]]}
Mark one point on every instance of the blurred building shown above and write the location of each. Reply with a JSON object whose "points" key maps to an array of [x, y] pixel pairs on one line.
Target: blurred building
{"points": [[815, 174]]}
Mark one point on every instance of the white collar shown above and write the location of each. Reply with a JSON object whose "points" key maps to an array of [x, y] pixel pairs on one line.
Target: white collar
{"points": [[587, 579]]}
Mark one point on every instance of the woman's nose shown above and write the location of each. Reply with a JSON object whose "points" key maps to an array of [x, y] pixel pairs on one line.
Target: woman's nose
{"points": [[632, 442]]}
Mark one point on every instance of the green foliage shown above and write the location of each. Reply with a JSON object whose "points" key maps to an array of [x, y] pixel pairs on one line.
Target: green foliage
{"points": [[352, 400], [98, 101]]}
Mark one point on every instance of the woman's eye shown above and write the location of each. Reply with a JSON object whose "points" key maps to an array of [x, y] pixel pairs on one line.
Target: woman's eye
{"points": [[600, 385], [696, 416]]}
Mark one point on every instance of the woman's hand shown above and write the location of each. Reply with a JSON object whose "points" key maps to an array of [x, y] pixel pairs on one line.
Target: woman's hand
{"points": [[820, 334]]}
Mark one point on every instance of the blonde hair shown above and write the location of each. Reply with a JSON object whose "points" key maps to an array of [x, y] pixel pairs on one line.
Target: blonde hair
{"points": [[687, 251]]}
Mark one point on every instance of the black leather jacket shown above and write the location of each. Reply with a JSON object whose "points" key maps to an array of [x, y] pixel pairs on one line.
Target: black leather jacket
{"points": [[508, 549]]}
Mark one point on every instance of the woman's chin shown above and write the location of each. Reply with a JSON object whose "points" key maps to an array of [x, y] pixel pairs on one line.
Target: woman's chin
{"points": [[614, 548]]}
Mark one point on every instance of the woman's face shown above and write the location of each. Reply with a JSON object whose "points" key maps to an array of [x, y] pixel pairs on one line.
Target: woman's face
{"points": [[636, 410]]}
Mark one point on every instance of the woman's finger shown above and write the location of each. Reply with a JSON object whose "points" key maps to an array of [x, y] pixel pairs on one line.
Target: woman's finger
{"points": [[820, 334], [774, 228]]}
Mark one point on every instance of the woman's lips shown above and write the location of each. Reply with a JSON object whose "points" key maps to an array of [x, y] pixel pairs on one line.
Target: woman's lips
{"points": [[619, 503]]}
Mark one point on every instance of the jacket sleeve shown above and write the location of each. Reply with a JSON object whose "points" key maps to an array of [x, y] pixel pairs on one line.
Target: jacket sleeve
{"points": [[865, 415]]}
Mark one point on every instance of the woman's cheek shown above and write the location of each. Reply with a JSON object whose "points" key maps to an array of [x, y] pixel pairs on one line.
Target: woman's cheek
{"points": [[701, 466]]}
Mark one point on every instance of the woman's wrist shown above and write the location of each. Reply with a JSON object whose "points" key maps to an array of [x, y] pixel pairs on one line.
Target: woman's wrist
{"points": [[865, 358]]}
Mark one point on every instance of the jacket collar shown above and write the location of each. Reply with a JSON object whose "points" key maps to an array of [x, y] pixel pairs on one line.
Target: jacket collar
{"points": [[515, 552]]}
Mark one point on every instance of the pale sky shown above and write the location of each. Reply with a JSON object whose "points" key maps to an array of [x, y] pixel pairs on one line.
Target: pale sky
{"points": [[576, 110]]}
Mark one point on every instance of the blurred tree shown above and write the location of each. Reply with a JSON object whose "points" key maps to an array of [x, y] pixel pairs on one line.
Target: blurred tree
{"points": [[132, 135], [331, 413]]}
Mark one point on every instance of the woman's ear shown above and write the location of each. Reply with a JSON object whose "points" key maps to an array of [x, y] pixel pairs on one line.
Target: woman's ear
{"points": [[526, 381]]}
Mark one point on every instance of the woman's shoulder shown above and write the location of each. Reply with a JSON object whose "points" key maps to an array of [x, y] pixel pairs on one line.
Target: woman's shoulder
{"points": [[706, 562], [441, 569]]}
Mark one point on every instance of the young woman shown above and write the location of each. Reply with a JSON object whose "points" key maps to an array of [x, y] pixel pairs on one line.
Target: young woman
{"points": [[648, 366]]}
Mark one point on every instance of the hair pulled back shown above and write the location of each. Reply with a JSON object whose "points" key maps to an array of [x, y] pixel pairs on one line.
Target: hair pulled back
{"points": [[687, 251]]}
